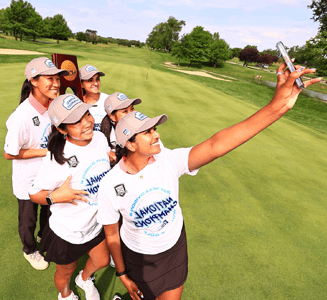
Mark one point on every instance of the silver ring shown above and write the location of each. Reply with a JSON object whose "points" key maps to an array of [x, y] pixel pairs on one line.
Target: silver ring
{"points": [[279, 73], [138, 291]]}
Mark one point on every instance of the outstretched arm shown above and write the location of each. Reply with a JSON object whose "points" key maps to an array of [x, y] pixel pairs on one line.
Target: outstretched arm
{"points": [[230, 138]]}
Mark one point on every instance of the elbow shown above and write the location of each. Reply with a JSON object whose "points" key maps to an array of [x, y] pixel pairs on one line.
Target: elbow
{"points": [[34, 198], [7, 156]]}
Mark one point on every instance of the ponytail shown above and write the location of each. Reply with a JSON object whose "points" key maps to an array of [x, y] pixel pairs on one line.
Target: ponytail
{"points": [[27, 88], [120, 152], [106, 127], [56, 144]]}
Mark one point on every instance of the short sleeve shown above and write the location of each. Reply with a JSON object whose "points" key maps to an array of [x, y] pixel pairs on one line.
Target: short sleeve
{"points": [[16, 136], [178, 158]]}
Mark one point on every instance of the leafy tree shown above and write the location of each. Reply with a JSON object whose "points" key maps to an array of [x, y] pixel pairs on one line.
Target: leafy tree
{"points": [[182, 48], [235, 52], [199, 42], [91, 36], [248, 55], [80, 36], [316, 51], [219, 51], [267, 59], [319, 8], [17, 19], [58, 28], [164, 34]]}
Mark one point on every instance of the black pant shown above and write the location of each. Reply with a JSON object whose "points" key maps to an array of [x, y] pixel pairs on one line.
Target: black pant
{"points": [[27, 218]]}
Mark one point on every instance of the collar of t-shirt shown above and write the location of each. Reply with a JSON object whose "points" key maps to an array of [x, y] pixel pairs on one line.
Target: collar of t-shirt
{"points": [[122, 166], [37, 105]]}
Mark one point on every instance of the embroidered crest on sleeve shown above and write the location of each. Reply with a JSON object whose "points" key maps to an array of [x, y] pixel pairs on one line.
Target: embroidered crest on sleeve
{"points": [[120, 190], [73, 161], [36, 121]]}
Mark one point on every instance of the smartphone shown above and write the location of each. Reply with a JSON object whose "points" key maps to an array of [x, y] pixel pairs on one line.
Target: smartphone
{"points": [[282, 53]]}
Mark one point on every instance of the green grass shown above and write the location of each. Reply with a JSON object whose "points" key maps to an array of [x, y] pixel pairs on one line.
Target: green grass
{"points": [[255, 218]]}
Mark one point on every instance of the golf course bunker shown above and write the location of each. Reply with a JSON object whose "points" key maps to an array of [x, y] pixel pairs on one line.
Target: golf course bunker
{"points": [[199, 73], [18, 52]]}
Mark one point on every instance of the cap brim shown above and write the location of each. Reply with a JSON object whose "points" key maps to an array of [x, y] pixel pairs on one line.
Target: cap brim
{"points": [[153, 122], [77, 114], [91, 74], [127, 103], [54, 72]]}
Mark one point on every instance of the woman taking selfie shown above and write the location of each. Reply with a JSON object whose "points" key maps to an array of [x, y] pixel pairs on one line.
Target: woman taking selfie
{"points": [[68, 181], [26, 143], [150, 252]]}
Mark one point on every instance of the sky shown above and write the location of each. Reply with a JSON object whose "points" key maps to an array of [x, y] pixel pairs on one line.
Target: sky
{"points": [[239, 22]]}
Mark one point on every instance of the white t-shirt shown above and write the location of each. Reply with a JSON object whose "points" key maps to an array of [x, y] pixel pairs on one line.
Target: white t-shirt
{"points": [[76, 224], [27, 129], [148, 202], [98, 111]]}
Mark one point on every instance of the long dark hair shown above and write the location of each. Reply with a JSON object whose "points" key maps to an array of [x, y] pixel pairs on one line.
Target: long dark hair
{"points": [[106, 126], [120, 152], [56, 144], [27, 88]]}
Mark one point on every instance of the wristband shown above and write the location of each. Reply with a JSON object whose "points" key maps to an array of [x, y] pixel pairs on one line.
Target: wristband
{"points": [[121, 273], [49, 200]]}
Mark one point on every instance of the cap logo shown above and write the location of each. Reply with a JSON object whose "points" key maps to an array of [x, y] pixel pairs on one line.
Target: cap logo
{"points": [[70, 101], [55, 120], [33, 71], [140, 116], [49, 63], [122, 97], [109, 107], [126, 132], [90, 69]]}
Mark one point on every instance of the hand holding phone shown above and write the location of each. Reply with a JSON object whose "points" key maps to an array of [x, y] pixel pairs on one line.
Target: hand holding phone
{"points": [[282, 53]]}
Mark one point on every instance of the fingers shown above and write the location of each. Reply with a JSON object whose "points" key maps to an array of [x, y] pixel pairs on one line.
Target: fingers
{"points": [[80, 198], [311, 81], [140, 294], [67, 181]]}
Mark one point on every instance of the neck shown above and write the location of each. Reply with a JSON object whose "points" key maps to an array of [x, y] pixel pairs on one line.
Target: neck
{"points": [[91, 98], [136, 164], [77, 141], [41, 98]]}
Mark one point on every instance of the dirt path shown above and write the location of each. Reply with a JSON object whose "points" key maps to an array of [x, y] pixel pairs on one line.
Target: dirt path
{"points": [[198, 73], [17, 52]]}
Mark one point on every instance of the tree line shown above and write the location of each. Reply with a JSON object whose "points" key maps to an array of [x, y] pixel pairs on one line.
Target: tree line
{"points": [[202, 46], [20, 19]]}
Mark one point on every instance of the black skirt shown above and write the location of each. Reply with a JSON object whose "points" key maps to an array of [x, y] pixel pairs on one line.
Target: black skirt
{"points": [[156, 274], [62, 252]]}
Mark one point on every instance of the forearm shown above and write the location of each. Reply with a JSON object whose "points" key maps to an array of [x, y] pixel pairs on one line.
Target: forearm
{"points": [[113, 241], [40, 197], [27, 153], [230, 138]]}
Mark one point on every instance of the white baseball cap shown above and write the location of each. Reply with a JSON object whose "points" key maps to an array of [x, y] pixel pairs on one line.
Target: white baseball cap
{"points": [[117, 101], [133, 123], [67, 109], [42, 66], [88, 71]]}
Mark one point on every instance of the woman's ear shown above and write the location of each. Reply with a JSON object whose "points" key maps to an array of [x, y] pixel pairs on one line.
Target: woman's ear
{"points": [[62, 131], [113, 118], [33, 82], [130, 146]]}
